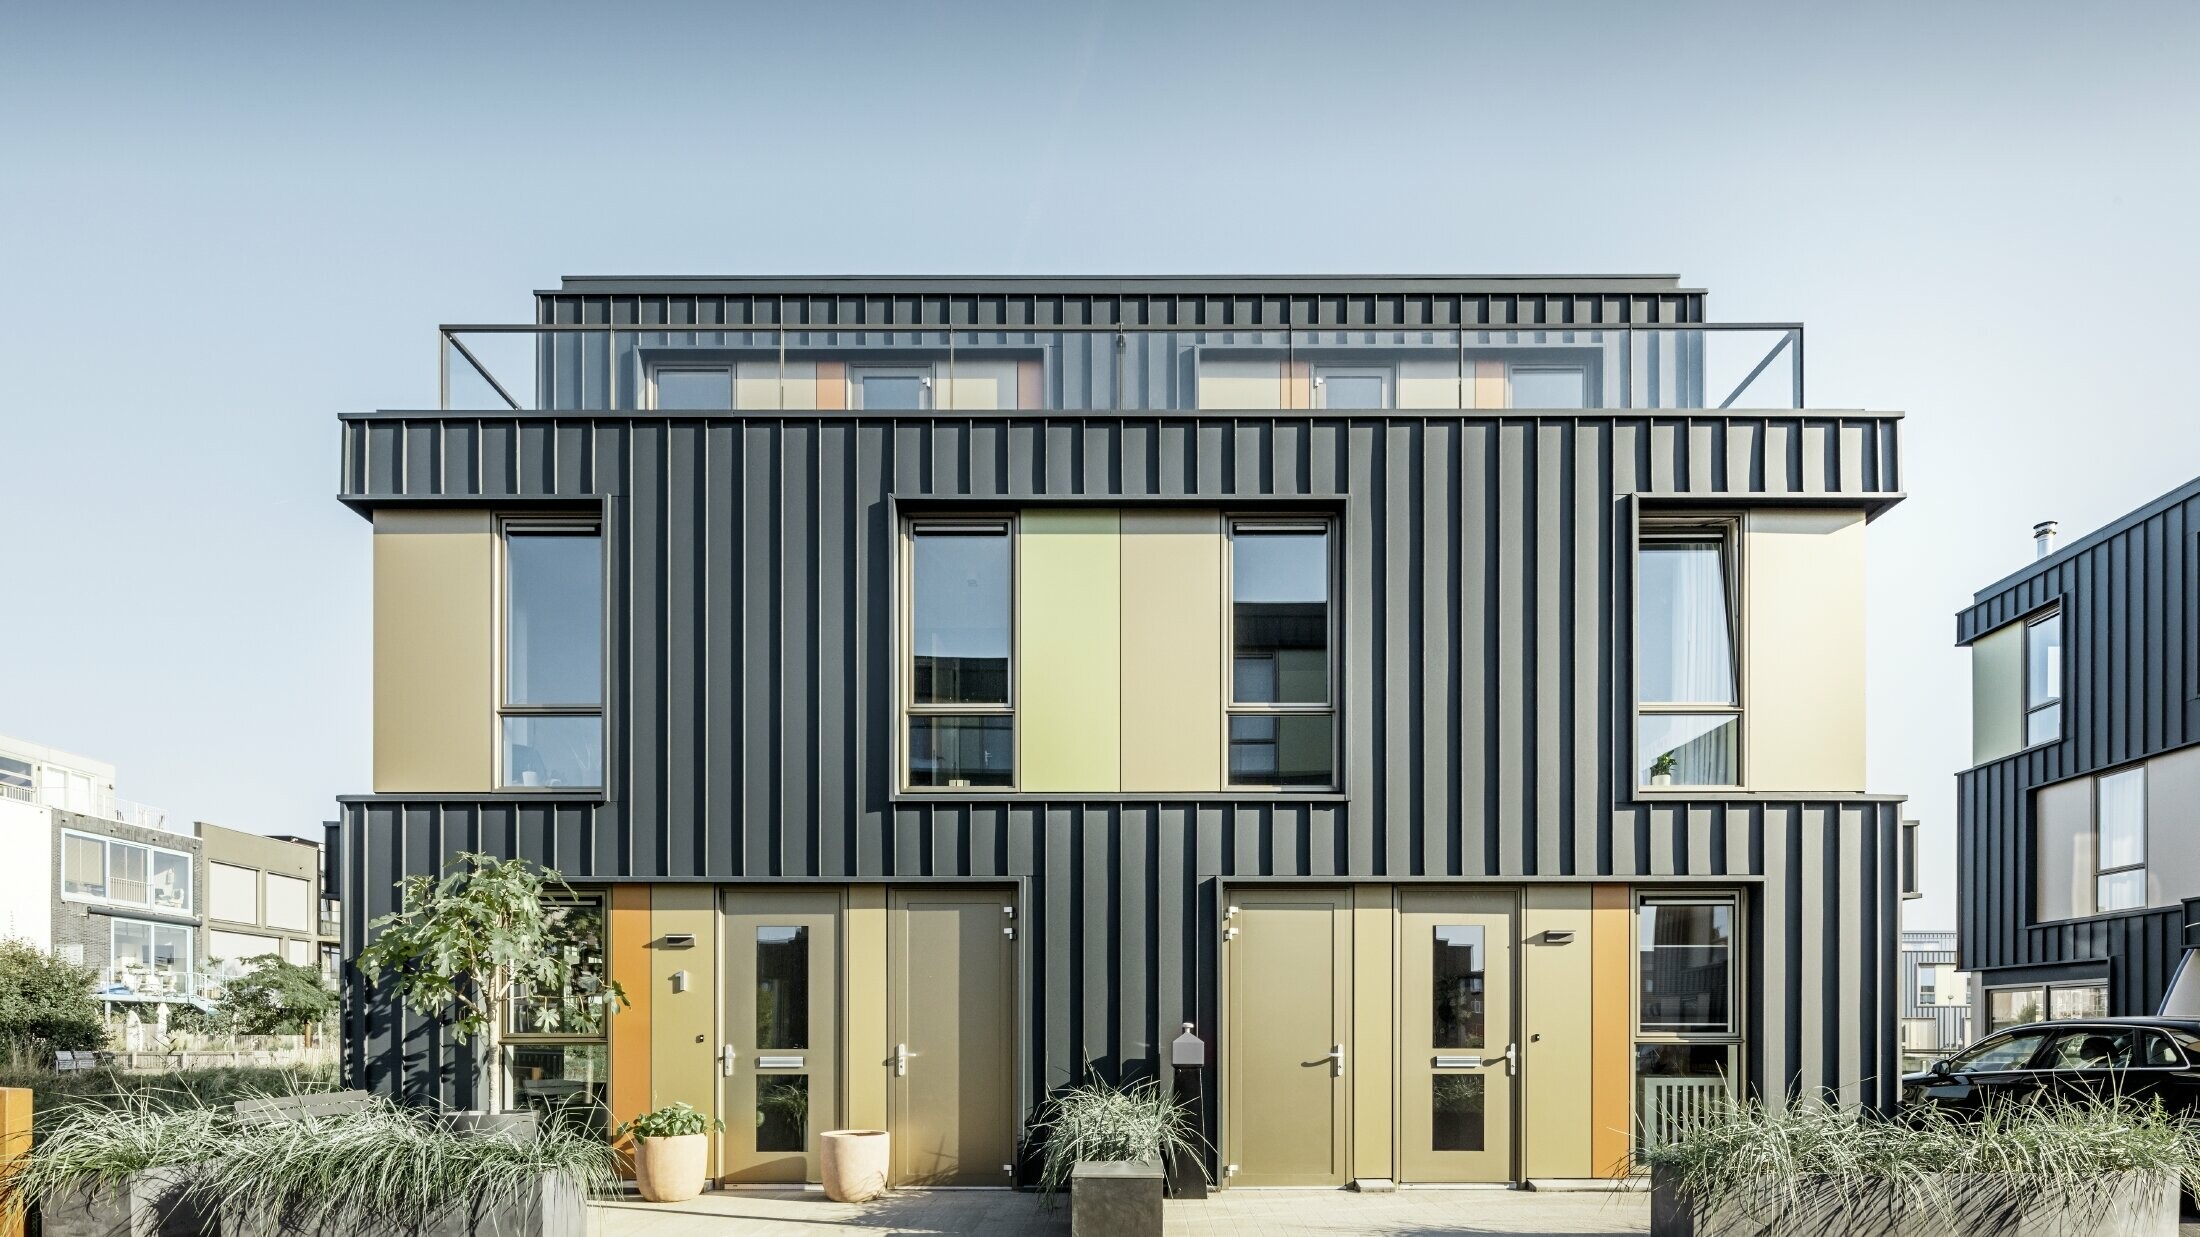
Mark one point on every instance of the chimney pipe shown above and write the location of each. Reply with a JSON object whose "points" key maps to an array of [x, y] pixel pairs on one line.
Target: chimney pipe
{"points": [[2043, 539]]}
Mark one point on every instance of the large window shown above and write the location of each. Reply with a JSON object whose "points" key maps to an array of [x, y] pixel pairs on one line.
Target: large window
{"points": [[1686, 675], [1687, 1036], [233, 893], [2009, 1007], [145, 954], [1282, 706], [2043, 677], [959, 686], [552, 717], [556, 1047], [2120, 855], [289, 903], [96, 869]]}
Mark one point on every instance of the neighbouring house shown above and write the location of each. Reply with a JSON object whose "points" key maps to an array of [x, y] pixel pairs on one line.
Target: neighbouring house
{"points": [[1444, 693], [2079, 845], [263, 896], [1936, 996], [99, 880]]}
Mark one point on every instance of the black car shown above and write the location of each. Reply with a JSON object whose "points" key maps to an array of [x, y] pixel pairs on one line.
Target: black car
{"points": [[2145, 1058]]}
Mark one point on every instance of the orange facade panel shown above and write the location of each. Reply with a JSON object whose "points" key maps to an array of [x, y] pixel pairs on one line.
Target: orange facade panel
{"points": [[630, 934]]}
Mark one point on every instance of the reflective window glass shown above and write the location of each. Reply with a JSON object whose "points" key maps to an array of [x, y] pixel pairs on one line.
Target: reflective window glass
{"points": [[1279, 596], [576, 932], [1458, 961], [83, 866], [695, 388], [2123, 819], [171, 882], [1686, 966], [1684, 649], [1353, 391], [553, 628], [2009, 1007], [563, 1084], [126, 872], [782, 987], [2077, 1001], [782, 1112], [553, 750], [1688, 749], [961, 750], [2011, 1052], [1549, 387], [959, 615], [2043, 661], [1282, 749], [892, 392], [1456, 1107]]}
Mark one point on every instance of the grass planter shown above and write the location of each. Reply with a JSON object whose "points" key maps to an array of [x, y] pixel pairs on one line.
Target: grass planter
{"points": [[2053, 1168], [551, 1204], [2129, 1204], [1115, 1198], [152, 1202]]}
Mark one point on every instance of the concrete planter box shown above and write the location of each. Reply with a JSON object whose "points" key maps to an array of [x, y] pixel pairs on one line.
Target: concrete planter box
{"points": [[549, 1205], [153, 1203], [1115, 1198], [2120, 1205]]}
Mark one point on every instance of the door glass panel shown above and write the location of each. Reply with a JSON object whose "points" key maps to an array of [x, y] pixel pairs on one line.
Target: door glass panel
{"points": [[1458, 961], [782, 990], [1455, 1108], [782, 1112]]}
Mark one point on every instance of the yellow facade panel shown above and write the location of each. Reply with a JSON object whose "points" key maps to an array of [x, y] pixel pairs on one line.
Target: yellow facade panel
{"points": [[1611, 1019], [1172, 650], [1556, 1014], [1374, 1036], [434, 651], [683, 998], [863, 1008], [1805, 648], [1069, 640]]}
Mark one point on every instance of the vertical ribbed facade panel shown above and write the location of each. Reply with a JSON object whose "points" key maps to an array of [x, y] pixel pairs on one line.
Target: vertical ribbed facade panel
{"points": [[1487, 575], [2131, 644]]}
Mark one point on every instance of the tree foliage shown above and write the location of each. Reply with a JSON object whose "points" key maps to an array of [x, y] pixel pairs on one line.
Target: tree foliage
{"points": [[485, 930], [46, 1004], [274, 997]]}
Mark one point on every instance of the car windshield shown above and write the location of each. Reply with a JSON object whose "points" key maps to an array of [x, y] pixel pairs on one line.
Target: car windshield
{"points": [[2008, 1052]]}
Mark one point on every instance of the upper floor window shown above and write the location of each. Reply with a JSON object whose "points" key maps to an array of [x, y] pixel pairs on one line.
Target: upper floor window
{"points": [[1282, 703], [1686, 674], [232, 893], [97, 869], [552, 708], [1550, 386], [1345, 386], [2043, 677], [890, 388], [959, 690], [2120, 857], [697, 389]]}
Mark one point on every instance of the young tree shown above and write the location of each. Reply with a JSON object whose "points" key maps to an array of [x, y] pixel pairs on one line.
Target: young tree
{"points": [[274, 997], [46, 1005], [489, 932]]}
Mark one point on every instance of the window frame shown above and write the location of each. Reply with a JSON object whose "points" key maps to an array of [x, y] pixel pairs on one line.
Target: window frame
{"points": [[114, 925], [905, 671], [1693, 527], [107, 869], [926, 374], [1387, 375], [2054, 614], [509, 1006], [729, 368], [1732, 901], [1331, 705], [2100, 834], [529, 525]]}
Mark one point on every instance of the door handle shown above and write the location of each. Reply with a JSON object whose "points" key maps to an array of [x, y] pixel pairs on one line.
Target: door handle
{"points": [[901, 1060], [1512, 1059], [1336, 1061], [725, 1060]]}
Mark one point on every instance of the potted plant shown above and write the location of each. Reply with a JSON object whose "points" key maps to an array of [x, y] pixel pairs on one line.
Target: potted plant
{"points": [[490, 940], [1106, 1144], [1661, 769], [671, 1151]]}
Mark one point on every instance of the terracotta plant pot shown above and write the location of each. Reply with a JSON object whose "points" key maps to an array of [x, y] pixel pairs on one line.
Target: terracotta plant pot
{"points": [[670, 1170], [854, 1164]]}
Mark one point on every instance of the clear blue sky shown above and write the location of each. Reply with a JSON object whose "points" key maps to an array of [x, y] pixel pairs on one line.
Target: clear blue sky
{"points": [[220, 225]]}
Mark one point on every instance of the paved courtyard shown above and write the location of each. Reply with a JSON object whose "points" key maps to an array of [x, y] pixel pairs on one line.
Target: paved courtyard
{"points": [[1238, 1213]]}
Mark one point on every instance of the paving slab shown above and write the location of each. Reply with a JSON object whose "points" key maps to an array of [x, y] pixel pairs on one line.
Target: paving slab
{"points": [[1231, 1213]]}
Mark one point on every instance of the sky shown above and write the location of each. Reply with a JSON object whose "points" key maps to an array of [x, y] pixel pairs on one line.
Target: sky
{"points": [[223, 224]]}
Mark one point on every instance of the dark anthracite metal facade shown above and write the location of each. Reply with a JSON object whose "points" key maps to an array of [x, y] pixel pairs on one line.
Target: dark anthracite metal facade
{"points": [[1486, 713], [2131, 652]]}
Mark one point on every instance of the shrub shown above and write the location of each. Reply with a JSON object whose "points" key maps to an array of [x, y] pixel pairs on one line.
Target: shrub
{"points": [[674, 1120], [1812, 1163], [1099, 1121], [274, 997], [46, 1006]]}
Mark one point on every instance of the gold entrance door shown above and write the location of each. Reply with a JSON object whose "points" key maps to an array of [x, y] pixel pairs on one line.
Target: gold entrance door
{"points": [[950, 1096], [1457, 1057], [1288, 1056], [777, 1063]]}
